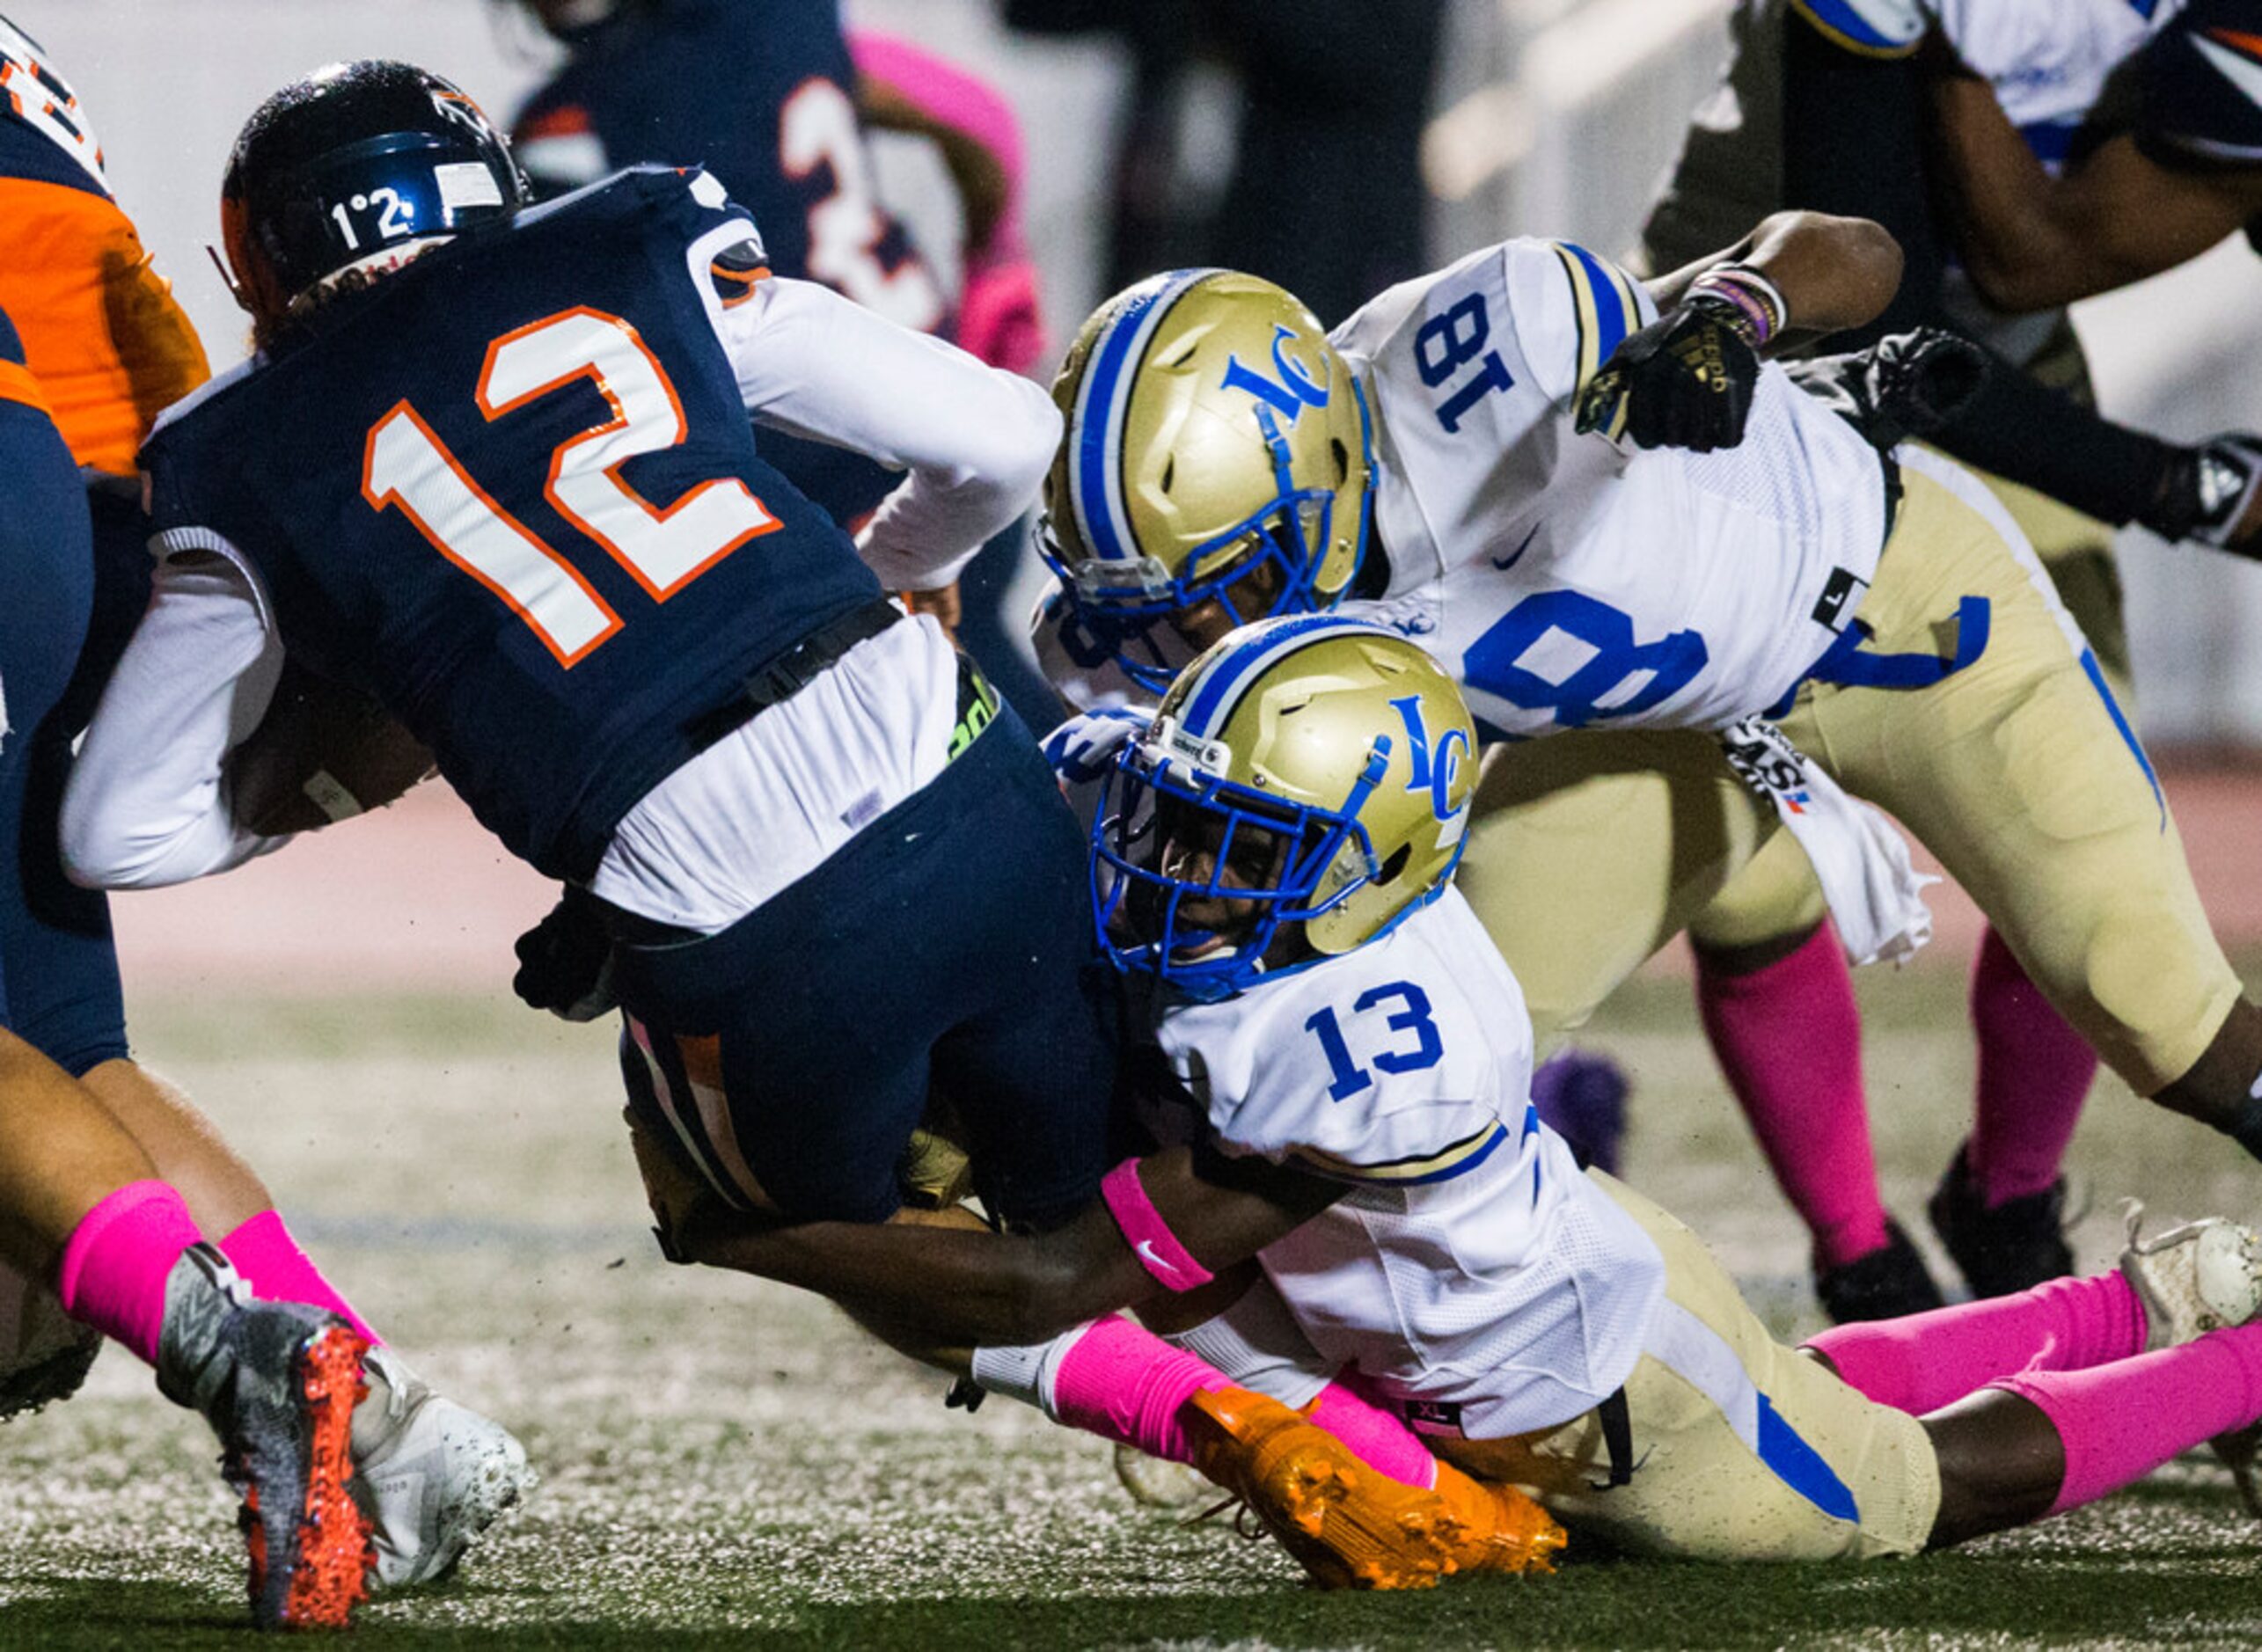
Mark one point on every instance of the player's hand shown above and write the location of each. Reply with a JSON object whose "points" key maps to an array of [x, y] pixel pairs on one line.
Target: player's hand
{"points": [[941, 603], [565, 963], [1687, 380], [2212, 493]]}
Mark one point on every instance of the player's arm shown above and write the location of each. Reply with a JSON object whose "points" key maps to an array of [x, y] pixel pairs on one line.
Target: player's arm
{"points": [[146, 803], [1687, 379], [1186, 1206], [2034, 242], [976, 441]]}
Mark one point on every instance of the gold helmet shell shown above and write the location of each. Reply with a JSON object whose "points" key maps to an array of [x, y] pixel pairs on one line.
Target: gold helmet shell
{"points": [[1212, 429], [1343, 736]]}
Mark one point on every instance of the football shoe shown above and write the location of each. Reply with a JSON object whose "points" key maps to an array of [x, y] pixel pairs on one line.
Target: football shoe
{"points": [[2193, 1279], [1348, 1526], [429, 1474], [1502, 1529], [278, 1381], [2002, 1248], [1886, 1283]]}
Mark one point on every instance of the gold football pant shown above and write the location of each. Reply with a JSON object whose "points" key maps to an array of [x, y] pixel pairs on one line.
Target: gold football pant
{"points": [[1742, 1449], [1775, 897], [1590, 850]]}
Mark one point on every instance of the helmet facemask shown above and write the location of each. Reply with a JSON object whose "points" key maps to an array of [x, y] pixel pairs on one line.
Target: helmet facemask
{"points": [[1198, 879]]}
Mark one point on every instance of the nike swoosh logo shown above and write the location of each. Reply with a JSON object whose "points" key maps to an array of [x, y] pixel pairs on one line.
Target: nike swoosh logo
{"points": [[1517, 555], [1149, 1254]]}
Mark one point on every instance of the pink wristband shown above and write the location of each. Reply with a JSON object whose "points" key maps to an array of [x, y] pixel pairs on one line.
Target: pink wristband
{"points": [[1147, 1234]]}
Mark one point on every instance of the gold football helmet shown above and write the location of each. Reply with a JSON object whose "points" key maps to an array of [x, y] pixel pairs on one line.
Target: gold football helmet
{"points": [[1309, 769], [1213, 432]]}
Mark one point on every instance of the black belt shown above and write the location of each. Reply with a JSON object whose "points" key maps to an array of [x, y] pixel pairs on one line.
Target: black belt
{"points": [[786, 674]]}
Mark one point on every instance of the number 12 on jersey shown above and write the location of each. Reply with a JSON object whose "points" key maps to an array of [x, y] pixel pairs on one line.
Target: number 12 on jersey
{"points": [[406, 464]]}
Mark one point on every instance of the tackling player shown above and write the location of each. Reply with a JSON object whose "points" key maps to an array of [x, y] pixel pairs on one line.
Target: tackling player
{"points": [[1274, 861], [2044, 152], [1637, 603], [106, 348]]}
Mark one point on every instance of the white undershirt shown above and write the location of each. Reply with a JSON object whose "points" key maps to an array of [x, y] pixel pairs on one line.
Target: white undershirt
{"points": [[759, 809]]}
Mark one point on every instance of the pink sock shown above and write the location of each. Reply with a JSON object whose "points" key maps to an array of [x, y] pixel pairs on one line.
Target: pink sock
{"points": [[277, 1270], [1377, 1437], [1925, 1360], [2034, 1074], [2122, 1421], [1789, 1039], [1125, 1384], [115, 1264]]}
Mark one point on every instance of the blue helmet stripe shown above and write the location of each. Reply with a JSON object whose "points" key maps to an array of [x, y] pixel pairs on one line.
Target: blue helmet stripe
{"points": [[1212, 701], [1095, 477]]}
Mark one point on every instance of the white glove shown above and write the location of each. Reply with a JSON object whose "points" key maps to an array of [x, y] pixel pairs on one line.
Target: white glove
{"points": [[1085, 747]]}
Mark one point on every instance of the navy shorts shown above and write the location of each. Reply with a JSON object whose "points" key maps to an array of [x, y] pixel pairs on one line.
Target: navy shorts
{"points": [[947, 947], [58, 970]]}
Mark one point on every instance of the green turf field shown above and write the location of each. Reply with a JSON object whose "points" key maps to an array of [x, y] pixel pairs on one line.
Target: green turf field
{"points": [[728, 1463]]}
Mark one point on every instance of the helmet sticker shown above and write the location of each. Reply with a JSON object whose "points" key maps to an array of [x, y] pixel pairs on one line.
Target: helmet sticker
{"points": [[1296, 390], [466, 184]]}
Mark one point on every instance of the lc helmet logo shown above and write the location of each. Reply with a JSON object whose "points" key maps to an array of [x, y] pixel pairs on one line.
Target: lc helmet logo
{"points": [[1296, 390]]}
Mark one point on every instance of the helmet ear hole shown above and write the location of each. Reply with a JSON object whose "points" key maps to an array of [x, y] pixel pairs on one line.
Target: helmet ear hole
{"points": [[1342, 460], [1169, 471], [1396, 863]]}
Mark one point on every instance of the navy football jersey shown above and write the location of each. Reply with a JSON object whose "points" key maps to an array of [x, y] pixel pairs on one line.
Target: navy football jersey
{"points": [[2199, 88], [760, 96], [511, 490]]}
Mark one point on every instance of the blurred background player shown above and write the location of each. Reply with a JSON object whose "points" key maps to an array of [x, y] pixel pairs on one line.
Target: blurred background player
{"points": [[109, 349], [1273, 860], [2044, 150], [773, 101], [1326, 102]]}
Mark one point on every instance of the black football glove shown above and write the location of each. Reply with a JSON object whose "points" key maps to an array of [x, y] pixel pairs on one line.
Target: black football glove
{"points": [[565, 963], [1686, 380], [2206, 492], [1906, 384]]}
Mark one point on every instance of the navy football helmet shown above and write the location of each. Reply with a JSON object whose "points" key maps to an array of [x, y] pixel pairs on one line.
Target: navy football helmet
{"points": [[357, 166]]}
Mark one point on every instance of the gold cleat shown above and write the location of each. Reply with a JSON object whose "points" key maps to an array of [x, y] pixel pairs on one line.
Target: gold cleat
{"points": [[1348, 1526]]}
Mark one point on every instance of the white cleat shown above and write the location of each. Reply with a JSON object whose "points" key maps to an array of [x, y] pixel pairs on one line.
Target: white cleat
{"points": [[430, 1474], [2192, 1279]]}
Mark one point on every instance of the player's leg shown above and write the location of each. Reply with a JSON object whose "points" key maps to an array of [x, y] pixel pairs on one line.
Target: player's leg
{"points": [[1588, 851], [1777, 1003], [2023, 776], [1728, 1445], [1998, 1208]]}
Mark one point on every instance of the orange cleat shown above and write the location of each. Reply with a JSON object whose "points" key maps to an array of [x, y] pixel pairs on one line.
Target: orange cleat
{"points": [[1349, 1527], [1502, 1529], [305, 1466]]}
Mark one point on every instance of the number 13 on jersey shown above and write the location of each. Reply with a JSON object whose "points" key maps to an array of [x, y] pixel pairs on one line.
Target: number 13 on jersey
{"points": [[404, 464]]}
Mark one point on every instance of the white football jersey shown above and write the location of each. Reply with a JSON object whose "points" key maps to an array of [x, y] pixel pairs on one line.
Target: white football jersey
{"points": [[1573, 580], [1473, 1268]]}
